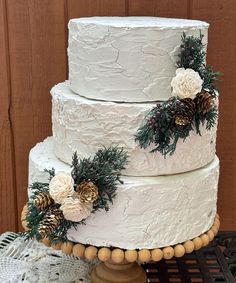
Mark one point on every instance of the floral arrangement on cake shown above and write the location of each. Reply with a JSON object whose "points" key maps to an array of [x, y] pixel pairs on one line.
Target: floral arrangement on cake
{"points": [[69, 199], [193, 102]]}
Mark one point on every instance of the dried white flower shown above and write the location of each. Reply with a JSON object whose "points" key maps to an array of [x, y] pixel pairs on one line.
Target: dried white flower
{"points": [[74, 210], [61, 186], [186, 84]]}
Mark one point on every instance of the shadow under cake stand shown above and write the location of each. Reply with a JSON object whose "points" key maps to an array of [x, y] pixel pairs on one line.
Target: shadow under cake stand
{"points": [[122, 266]]}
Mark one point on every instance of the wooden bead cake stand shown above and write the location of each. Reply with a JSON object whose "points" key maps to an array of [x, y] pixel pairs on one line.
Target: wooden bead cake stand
{"points": [[121, 266]]}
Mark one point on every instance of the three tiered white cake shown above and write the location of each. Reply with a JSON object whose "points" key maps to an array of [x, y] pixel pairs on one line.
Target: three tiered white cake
{"points": [[119, 68]]}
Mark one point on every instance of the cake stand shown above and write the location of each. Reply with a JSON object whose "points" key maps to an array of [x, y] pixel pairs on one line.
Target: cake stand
{"points": [[122, 266]]}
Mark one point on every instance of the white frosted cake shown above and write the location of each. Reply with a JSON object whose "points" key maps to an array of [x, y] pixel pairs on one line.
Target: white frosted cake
{"points": [[84, 125], [119, 70], [126, 59]]}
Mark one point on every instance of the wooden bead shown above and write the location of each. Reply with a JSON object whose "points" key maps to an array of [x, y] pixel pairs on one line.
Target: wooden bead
{"points": [[46, 242], [157, 254], [67, 248], [189, 246], [104, 254], [216, 220], [214, 229], [24, 225], [217, 224], [179, 250], [217, 227], [205, 240], [24, 212], [144, 255], [23, 216], [90, 253], [117, 256], [78, 250], [197, 243], [131, 255], [168, 253], [211, 235], [56, 246]]}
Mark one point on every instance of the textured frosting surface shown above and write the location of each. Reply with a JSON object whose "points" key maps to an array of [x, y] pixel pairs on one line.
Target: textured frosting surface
{"points": [[85, 125], [130, 59], [147, 212]]}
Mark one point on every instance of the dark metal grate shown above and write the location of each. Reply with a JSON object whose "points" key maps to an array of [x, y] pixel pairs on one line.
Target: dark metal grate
{"points": [[215, 263]]}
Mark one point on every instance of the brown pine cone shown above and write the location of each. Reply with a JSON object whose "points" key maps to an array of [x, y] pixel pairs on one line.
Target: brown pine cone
{"points": [[43, 200], [87, 191], [50, 222], [181, 120], [204, 101], [185, 111]]}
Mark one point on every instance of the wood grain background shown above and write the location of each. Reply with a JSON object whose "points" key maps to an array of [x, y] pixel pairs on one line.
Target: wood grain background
{"points": [[33, 42]]}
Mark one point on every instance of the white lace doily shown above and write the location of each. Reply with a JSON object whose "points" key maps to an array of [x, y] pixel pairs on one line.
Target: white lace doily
{"points": [[30, 261]]}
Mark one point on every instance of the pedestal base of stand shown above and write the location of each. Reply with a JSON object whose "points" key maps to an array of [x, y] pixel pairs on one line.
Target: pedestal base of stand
{"points": [[118, 273]]}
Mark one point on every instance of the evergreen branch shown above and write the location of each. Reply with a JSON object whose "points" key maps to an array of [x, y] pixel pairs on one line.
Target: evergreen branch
{"points": [[51, 173], [60, 234], [33, 218], [192, 55], [208, 119], [103, 170], [161, 130], [210, 79], [38, 187]]}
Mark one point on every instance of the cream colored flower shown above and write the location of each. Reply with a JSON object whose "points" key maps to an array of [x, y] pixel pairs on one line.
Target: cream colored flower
{"points": [[61, 186], [74, 210], [186, 84]]}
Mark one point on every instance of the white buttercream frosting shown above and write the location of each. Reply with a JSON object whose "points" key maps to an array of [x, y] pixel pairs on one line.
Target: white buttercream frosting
{"points": [[148, 212], [85, 125], [130, 59]]}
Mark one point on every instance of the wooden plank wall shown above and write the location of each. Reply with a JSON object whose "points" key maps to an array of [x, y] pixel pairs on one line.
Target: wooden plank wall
{"points": [[33, 42], [7, 162]]}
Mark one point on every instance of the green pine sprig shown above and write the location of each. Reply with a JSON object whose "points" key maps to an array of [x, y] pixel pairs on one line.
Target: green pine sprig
{"points": [[51, 173], [208, 119], [192, 56], [192, 53], [104, 170], [161, 131]]}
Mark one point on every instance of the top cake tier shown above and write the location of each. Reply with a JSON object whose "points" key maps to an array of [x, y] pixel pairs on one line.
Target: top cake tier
{"points": [[130, 59]]}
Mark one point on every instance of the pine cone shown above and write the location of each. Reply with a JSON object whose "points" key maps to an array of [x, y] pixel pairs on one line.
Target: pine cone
{"points": [[43, 200], [87, 191], [185, 111], [204, 102], [50, 222]]}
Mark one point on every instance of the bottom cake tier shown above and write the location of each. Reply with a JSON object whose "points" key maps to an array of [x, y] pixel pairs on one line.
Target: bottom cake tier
{"points": [[148, 212]]}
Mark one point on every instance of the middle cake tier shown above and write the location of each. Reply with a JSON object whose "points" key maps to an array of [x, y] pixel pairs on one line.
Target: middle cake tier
{"points": [[85, 125]]}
